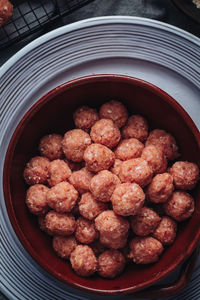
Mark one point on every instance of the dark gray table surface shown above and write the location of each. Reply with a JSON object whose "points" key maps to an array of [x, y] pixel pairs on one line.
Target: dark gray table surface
{"points": [[162, 10]]}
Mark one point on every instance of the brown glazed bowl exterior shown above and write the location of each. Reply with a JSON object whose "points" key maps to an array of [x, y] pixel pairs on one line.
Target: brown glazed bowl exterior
{"points": [[53, 114]]}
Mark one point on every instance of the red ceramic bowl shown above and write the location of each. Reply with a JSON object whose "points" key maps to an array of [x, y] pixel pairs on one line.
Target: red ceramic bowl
{"points": [[53, 113]]}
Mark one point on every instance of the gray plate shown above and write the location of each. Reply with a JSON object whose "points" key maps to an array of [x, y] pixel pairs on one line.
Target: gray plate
{"points": [[159, 53]]}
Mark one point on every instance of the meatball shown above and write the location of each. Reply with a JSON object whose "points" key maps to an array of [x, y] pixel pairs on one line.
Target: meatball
{"points": [[64, 245], [6, 12], [127, 199], [160, 188], [145, 250], [85, 231], [105, 132], [89, 207], [180, 206], [136, 170], [111, 263], [115, 111], [36, 170], [59, 223], [136, 127], [58, 171], [62, 197], [36, 199], [98, 158], [115, 169], [50, 146], [145, 222], [109, 222], [103, 184], [185, 174], [85, 117], [165, 142], [113, 229], [83, 260], [74, 143], [81, 180], [113, 242], [129, 148], [155, 158], [165, 232]]}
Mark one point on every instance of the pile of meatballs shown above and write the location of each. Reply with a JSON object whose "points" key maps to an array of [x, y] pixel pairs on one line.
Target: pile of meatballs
{"points": [[109, 191]]}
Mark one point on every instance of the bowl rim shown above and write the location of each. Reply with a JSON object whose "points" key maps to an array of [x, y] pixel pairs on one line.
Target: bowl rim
{"points": [[9, 155]]}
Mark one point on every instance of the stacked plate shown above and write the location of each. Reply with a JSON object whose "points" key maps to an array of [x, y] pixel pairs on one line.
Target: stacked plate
{"points": [[156, 52]]}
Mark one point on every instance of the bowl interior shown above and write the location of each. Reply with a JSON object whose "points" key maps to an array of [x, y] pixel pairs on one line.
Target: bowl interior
{"points": [[53, 114]]}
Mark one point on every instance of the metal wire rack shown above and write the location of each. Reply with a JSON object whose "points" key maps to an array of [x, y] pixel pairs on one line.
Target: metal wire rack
{"points": [[31, 16]]}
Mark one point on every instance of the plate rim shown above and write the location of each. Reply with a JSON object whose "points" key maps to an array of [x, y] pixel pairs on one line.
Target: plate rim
{"points": [[102, 20], [6, 189]]}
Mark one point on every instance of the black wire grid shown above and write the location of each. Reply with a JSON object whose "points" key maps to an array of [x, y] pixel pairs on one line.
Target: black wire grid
{"points": [[31, 16]]}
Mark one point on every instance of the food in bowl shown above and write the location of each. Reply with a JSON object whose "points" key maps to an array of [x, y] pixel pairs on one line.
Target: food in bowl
{"points": [[53, 114], [124, 169]]}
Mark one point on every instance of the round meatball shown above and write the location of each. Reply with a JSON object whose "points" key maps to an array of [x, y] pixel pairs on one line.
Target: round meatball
{"points": [[129, 148], [85, 231], [50, 146], [60, 223], [115, 169], [89, 207], [160, 188], [83, 260], [185, 174], [98, 157], [62, 197], [145, 250], [113, 242], [111, 263], [136, 170], [103, 184], [109, 222], [105, 132], [85, 117], [36, 199], [136, 127], [165, 142], [115, 111], [155, 158], [74, 143], [127, 199], [113, 229], [81, 180], [165, 232], [145, 222], [36, 170], [6, 12], [58, 171], [180, 206], [64, 245]]}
